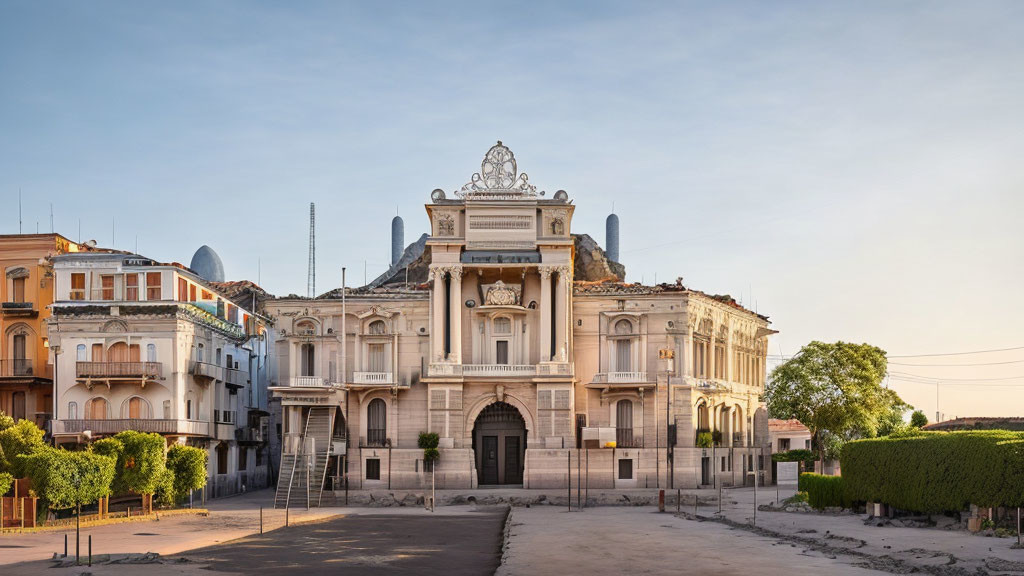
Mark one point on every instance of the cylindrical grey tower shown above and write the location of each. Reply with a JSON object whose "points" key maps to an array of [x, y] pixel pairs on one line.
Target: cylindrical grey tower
{"points": [[397, 239], [611, 237]]}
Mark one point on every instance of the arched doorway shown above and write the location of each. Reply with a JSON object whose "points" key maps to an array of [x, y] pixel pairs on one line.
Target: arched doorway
{"points": [[499, 442]]}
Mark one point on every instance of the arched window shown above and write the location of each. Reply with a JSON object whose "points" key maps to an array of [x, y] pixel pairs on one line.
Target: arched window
{"points": [[135, 407], [702, 416], [150, 352], [189, 413], [502, 325], [80, 353], [96, 409], [624, 423], [376, 422], [307, 356], [72, 410], [200, 353], [623, 346], [623, 327], [378, 328]]}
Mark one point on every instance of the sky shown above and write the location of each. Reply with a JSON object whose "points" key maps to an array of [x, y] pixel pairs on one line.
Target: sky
{"points": [[852, 170]]}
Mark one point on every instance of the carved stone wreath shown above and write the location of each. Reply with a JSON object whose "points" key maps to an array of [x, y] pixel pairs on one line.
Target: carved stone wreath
{"points": [[501, 295]]}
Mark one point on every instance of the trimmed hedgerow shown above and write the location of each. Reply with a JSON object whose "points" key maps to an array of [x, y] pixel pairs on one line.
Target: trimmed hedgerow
{"points": [[823, 491], [934, 472], [799, 455]]}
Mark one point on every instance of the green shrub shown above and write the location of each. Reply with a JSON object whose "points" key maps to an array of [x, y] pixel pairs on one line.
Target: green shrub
{"points": [[933, 472], [794, 456], [188, 464], [63, 479], [165, 495], [823, 491], [428, 440], [704, 439], [21, 438], [6, 481]]}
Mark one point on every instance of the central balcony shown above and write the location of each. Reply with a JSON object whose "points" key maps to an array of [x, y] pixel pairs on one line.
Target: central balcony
{"points": [[308, 382], [373, 378], [176, 427], [500, 370], [119, 370], [620, 378]]}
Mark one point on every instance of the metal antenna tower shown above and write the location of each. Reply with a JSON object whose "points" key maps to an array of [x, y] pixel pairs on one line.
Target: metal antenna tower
{"points": [[311, 282]]}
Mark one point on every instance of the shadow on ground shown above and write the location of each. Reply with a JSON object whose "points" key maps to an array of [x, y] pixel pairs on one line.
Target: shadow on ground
{"points": [[371, 545]]}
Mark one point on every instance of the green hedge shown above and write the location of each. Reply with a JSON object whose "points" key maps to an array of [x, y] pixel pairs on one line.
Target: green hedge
{"points": [[823, 491], [933, 472], [794, 456], [188, 468]]}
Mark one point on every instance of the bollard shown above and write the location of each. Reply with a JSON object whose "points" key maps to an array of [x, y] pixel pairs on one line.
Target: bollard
{"points": [[90, 549], [694, 505], [568, 475], [286, 517], [65, 545], [129, 511], [719, 498], [661, 500], [261, 519], [1018, 525], [679, 498]]}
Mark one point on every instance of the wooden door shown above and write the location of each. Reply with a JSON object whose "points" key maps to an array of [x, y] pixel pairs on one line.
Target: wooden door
{"points": [[513, 471], [489, 465]]}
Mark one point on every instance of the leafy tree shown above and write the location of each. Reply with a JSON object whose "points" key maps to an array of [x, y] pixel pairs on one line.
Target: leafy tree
{"points": [[835, 389], [164, 494], [918, 419], [429, 441], [188, 464], [65, 479], [140, 460], [6, 480], [16, 439]]}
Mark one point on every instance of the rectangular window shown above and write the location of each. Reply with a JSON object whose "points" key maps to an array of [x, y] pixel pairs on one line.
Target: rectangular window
{"points": [[501, 352], [107, 284], [373, 468], [625, 469], [131, 287], [192, 293], [182, 290], [207, 295], [153, 286], [78, 285], [243, 457], [377, 358], [19, 290], [783, 444]]}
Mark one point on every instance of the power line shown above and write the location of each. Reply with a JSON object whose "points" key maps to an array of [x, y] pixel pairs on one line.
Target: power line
{"points": [[958, 365], [786, 357], [933, 379]]}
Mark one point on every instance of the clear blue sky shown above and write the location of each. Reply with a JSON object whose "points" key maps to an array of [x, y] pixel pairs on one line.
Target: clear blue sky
{"points": [[852, 170]]}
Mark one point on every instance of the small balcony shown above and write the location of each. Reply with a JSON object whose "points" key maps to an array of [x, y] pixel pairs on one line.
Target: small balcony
{"points": [[173, 427], [621, 378], [119, 370], [489, 370], [248, 435], [307, 382], [235, 378], [19, 368], [206, 371], [376, 438], [373, 378], [624, 439], [14, 309]]}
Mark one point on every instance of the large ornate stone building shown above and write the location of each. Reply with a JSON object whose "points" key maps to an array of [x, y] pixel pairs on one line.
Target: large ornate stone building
{"points": [[499, 339]]}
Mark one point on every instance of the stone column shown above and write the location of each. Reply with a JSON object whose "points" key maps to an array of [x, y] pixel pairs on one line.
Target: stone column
{"points": [[455, 306], [437, 301], [545, 313], [562, 316]]}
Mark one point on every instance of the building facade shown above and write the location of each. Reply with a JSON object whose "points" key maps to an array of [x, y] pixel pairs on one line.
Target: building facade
{"points": [[26, 364], [153, 347], [517, 365]]}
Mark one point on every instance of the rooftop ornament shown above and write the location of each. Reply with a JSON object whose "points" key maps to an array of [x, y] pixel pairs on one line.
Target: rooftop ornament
{"points": [[498, 178]]}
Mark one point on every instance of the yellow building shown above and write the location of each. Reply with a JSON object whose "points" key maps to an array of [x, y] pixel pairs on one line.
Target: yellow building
{"points": [[26, 362]]}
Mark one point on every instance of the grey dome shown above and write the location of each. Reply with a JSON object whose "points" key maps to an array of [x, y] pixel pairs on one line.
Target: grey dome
{"points": [[207, 265]]}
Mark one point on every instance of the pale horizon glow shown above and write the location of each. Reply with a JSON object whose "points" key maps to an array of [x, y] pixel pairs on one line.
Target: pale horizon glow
{"points": [[850, 170]]}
